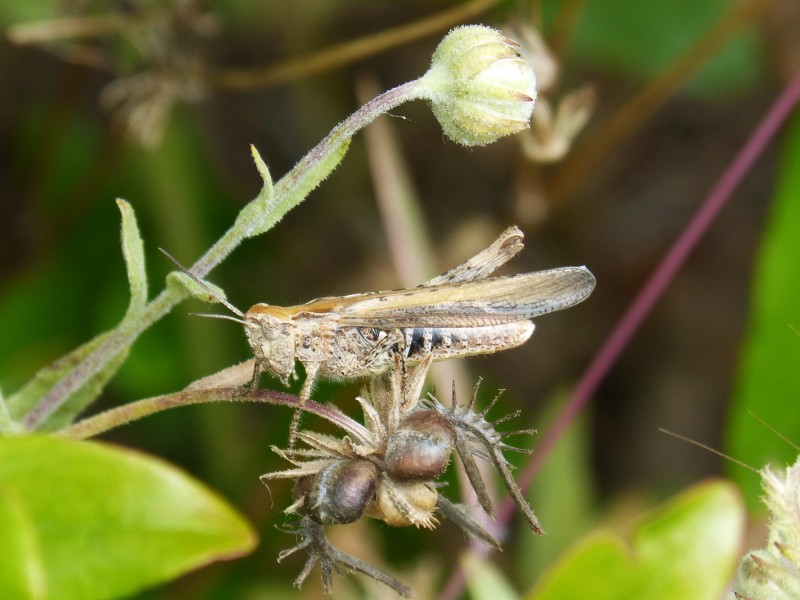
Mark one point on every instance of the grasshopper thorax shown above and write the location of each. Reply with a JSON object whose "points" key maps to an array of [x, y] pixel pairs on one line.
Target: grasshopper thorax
{"points": [[270, 332]]}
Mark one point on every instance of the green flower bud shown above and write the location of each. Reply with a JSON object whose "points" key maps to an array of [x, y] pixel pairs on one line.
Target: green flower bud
{"points": [[479, 86]]}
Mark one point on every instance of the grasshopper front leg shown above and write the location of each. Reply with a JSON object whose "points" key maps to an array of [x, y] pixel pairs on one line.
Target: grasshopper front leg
{"points": [[312, 368], [256, 375]]}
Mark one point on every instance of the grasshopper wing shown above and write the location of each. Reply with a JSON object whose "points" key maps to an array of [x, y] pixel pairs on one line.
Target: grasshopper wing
{"points": [[477, 303]]}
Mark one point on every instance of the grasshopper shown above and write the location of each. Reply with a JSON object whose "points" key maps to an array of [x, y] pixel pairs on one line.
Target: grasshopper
{"points": [[461, 313]]}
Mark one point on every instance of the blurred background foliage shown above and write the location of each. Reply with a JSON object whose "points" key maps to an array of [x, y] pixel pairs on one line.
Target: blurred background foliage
{"points": [[678, 86]]}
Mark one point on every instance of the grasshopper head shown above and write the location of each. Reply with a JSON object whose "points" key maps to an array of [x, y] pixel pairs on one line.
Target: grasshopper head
{"points": [[270, 332]]}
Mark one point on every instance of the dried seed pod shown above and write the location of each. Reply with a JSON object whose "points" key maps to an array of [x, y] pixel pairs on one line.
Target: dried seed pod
{"points": [[420, 449], [302, 486], [340, 491], [400, 504]]}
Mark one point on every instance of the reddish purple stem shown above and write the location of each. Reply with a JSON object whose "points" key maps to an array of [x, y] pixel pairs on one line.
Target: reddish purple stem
{"points": [[641, 306]]}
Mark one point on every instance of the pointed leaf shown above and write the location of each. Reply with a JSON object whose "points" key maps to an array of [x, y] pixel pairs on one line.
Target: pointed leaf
{"points": [[102, 522], [210, 293], [133, 252], [270, 206], [49, 377], [266, 191]]}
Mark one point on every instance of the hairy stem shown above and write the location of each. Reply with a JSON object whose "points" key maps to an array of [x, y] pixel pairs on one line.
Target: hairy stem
{"points": [[134, 411]]}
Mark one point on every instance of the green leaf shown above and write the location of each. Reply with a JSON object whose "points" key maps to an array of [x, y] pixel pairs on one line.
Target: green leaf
{"points": [[266, 191], [686, 549], [91, 521], [133, 252], [768, 384], [29, 395], [485, 581], [598, 567], [270, 206], [208, 292]]}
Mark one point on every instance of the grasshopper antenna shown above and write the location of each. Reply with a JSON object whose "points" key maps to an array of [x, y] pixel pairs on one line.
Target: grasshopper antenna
{"points": [[709, 448], [205, 286], [226, 317], [773, 430]]}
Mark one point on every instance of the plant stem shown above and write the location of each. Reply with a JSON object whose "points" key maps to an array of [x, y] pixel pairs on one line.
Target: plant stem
{"points": [[122, 415], [288, 192]]}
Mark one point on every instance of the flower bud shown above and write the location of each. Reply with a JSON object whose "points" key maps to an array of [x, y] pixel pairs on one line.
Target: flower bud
{"points": [[420, 449], [479, 87], [340, 491]]}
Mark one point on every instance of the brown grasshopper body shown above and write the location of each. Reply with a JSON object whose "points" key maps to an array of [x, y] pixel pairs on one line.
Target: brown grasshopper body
{"points": [[335, 351], [461, 313]]}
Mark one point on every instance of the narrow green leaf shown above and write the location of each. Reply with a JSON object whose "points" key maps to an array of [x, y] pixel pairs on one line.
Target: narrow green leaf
{"points": [[133, 252], [186, 284], [266, 191], [109, 522], [768, 384], [485, 581], [686, 549], [29, 395], [264, 212]]}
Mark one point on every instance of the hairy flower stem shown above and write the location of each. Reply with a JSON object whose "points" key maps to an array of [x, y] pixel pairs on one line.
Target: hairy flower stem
{"points": [[258, 216], [285, 192], [122, 415]]}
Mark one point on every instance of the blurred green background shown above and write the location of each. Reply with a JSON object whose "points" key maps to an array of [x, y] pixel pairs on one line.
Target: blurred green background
{"points": [[66, 157]]}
